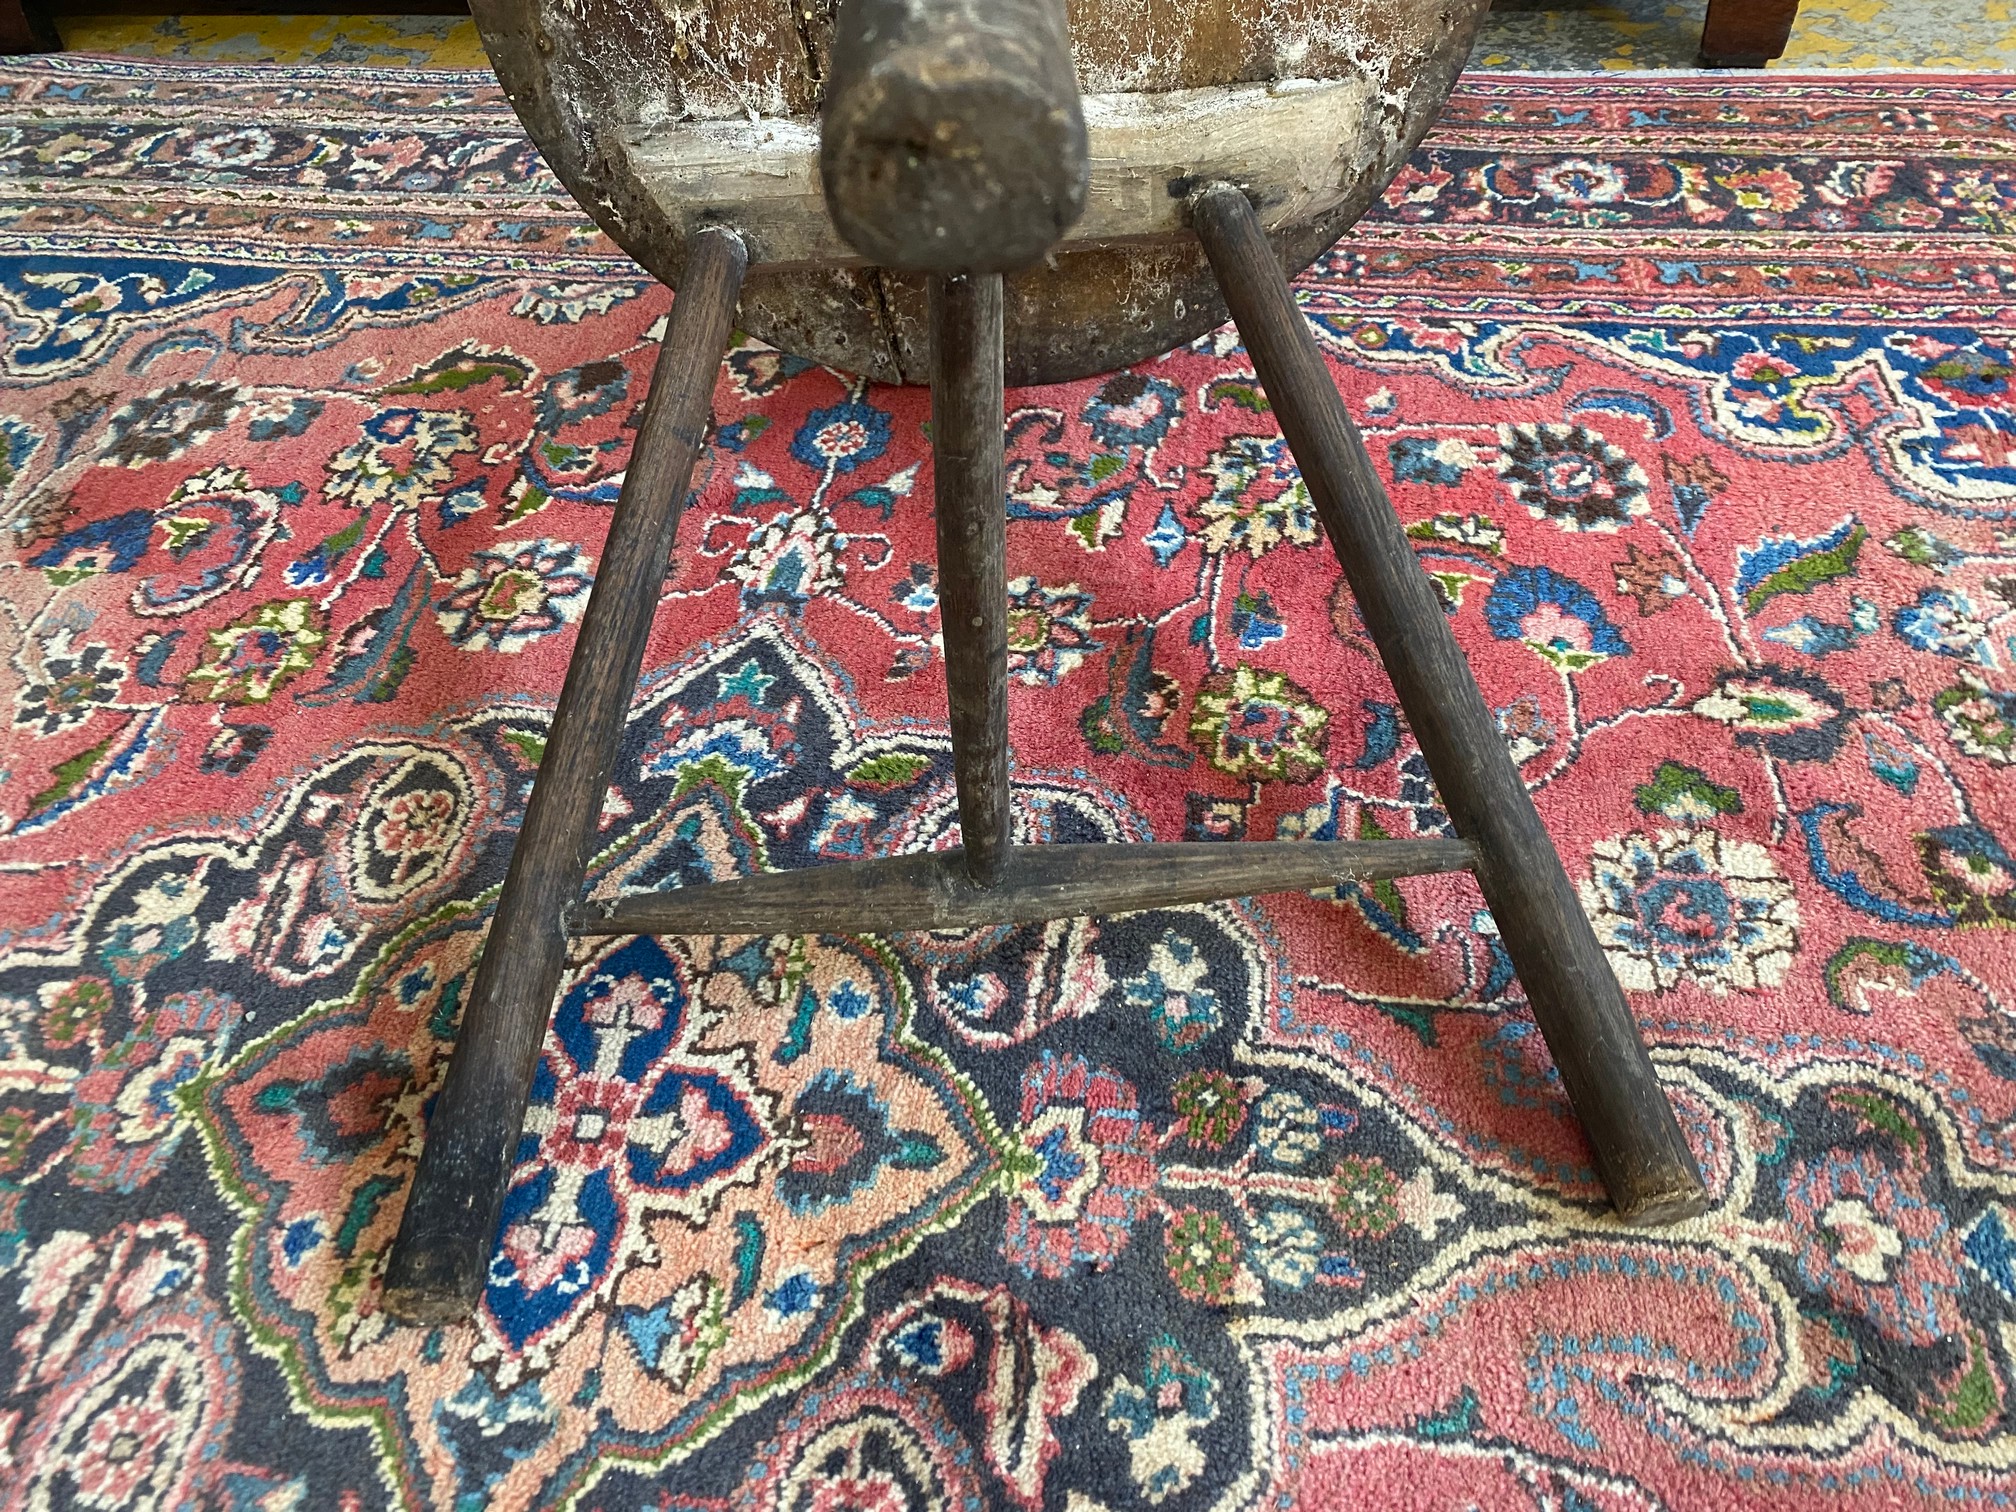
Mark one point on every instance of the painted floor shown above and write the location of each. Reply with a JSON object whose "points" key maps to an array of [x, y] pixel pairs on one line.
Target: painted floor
{"points": [[1974, 35], [379, 41]]}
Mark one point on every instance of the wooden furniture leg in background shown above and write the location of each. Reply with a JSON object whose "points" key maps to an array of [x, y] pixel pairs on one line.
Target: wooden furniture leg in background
{"points": [[1746, 33], [441, 1258], [1644, 1162], [25, 27]]}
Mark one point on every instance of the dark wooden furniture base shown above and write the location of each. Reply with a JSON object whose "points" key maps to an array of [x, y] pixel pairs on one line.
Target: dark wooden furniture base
{"points": [[1746, 33], [1000, 195], [26, 28], [441, 1256]]}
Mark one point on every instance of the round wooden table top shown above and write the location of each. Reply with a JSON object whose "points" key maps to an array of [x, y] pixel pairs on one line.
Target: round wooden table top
{"points": [[664, 116]]}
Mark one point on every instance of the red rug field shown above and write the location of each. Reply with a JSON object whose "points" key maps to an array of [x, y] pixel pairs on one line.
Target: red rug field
{"points": [[1698, 396]]}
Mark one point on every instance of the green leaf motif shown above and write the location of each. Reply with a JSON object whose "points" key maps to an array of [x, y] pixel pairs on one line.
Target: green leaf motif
{"points": [[1095, 527], [1803, 574], [1230, 391], [891, 770], [531, 748], [68, 777], [465, 368], [1848, 977], [1567, 658], [1974, 1398], [1452, 585], [183, 532], [715, 771], [1882, 1115], [1473, 530], [531, 501], [1096, 725], [333, 546], [1384, 891], [1681, 792], [1921, 548]]}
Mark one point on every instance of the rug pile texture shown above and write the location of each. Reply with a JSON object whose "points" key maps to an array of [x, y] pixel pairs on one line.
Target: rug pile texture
{"points": [[1698, 398]]}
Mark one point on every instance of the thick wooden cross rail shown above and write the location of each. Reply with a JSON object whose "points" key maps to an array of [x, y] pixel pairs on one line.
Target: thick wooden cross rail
{"points": [[1028, 171]]}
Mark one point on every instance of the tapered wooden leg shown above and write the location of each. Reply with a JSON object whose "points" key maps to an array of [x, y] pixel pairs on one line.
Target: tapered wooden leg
{"points": [[972, 503], [1746, 33], [1644, 1162], [441, 1257]]}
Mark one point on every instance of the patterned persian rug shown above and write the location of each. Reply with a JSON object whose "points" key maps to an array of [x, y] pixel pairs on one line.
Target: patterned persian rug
{"points": [[1697, 397]]}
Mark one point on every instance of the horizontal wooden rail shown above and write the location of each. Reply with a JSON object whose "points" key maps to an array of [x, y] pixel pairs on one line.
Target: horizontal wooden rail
{"points": [[1039, 882]]}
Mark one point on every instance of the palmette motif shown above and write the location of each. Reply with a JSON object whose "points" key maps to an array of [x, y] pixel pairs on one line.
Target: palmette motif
{"points": [[1268, 1203]]}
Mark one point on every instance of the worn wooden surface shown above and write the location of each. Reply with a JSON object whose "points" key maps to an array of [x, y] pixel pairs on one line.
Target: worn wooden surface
{"points": [[1644, 1162], [952, 138], [606, 87], [971, 494], [442, 1252], [1746, 33], [1289, 140], [1037, 882]]}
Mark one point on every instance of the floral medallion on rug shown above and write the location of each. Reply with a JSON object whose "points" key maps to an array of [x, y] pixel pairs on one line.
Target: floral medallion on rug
{"points": [[1699, 399]]}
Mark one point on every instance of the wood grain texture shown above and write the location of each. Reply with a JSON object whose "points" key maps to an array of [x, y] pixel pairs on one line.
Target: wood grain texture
{"points": [[951, 136], [1289, 147], [1036, 883], [1187, 44], [603, 90], [1645, 1164], [971, 505], [442, 1252]]}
